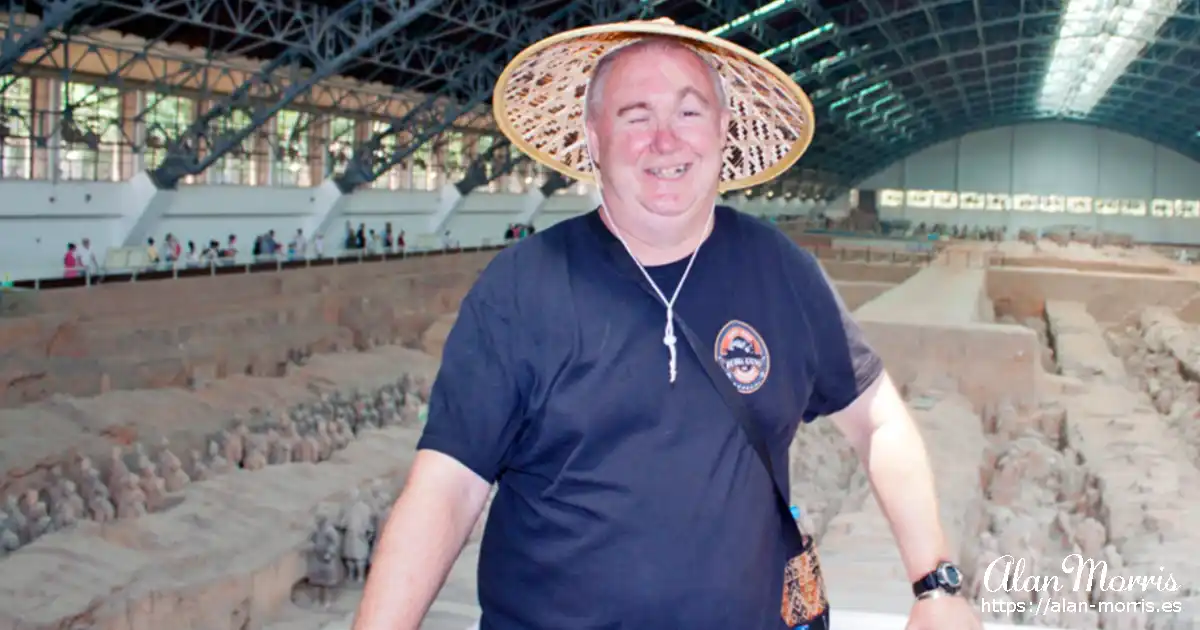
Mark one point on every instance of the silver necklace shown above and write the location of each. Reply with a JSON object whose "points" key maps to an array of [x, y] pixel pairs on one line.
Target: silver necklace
{"points": [[669, 333]]}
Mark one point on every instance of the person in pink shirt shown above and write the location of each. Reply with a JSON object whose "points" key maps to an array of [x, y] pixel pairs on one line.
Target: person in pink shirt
{"points": [[71, 263]]}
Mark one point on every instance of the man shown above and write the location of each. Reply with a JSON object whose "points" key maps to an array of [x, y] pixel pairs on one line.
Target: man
{"points": [[298, 246], [87, 258], [628, 494]]}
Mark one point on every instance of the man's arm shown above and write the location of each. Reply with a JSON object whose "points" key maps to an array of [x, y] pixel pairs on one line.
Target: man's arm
{"points": [[852, 389], [428, 526], [476, 411], [891, 450]]}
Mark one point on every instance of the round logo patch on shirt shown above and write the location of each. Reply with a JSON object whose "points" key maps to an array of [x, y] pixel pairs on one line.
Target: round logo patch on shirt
{"points": [[741, 352]]}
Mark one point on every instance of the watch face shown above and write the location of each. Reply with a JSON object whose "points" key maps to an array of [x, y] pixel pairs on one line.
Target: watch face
{"points": [[951, 576]]}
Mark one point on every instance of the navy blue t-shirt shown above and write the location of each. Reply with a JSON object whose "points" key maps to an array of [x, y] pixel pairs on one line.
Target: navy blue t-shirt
{"points": [[625, 501]]}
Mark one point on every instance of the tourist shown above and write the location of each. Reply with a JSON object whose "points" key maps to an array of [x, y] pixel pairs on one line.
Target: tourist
{"points": [[298, 248], [71, 264], [192, 257], [152, 254], [86, 257], [632, 378]]}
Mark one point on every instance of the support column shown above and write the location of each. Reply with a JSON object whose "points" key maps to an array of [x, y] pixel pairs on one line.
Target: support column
{"points": [[534, 201], [450, 200], [133, 151], [147, 205], [531, 205], [329, 206]]}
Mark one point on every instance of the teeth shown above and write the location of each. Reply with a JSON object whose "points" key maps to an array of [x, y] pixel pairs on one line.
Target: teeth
{"points": [[671, 172]]}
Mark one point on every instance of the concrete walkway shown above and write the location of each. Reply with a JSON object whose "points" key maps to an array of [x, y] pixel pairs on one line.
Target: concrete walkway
{"points": [[843, 620]]}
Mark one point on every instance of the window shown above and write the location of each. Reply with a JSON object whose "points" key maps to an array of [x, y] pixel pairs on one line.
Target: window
{"points": [[454, 157], [945, 200], [1162, 208], [341, 145], [237, 167], [424, 177], [919, 198], [398, 177], [16, 127], [1079, 205], [1157, 208], [890, 198], [291, 149], [91, 135], [971, 201], [166, 118]]}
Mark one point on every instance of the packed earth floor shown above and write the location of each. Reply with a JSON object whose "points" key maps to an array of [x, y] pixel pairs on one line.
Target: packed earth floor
{"points": [[255, 501]]}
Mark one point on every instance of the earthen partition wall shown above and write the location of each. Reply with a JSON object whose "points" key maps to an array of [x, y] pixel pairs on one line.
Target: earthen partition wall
{"points": [[1110, 297], [86, 341], [169, 333]]}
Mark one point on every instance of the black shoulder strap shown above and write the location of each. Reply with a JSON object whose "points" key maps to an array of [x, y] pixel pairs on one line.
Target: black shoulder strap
{"points": [[733, 399], [741, 411]]}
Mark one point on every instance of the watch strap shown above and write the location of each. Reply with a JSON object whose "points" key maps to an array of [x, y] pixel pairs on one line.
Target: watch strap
{"points": [[928, 582], [944, 578]]}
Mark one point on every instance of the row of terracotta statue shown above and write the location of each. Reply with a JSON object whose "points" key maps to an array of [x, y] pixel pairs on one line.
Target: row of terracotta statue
{"points": [[134, 483]]}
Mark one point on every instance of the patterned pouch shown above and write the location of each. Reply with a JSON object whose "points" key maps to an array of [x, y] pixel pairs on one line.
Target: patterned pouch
{"points": [[805, 605]]}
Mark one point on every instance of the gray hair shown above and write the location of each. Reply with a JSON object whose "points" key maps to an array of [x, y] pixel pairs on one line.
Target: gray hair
{"points": [[593, 97]]}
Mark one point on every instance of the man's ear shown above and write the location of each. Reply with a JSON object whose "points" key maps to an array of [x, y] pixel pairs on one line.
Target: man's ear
{"points": [[725, 117], [593, 144]]}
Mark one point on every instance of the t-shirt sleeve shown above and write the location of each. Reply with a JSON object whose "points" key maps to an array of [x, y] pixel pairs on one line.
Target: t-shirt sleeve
{"points": [[845, 364], [476, 407]]}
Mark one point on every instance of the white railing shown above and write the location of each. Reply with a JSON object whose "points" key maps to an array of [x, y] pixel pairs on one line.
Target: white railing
{"points": [[134, 260], [243, 263]]}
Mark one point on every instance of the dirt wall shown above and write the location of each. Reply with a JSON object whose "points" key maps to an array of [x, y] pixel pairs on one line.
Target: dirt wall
{"points": [[987, 363], [87, 341], [177, 333], [1109, 297]]}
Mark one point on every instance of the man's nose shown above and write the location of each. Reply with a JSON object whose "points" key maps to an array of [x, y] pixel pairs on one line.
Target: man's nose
{"points": [[665, 140]]}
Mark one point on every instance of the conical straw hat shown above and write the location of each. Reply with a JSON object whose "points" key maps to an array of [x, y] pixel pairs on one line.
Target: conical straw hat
{"points": [[538, 101]]}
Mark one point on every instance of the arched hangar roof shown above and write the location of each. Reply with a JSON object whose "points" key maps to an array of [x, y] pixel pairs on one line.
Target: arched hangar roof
{"points": [[887, 77], [890, 77]]}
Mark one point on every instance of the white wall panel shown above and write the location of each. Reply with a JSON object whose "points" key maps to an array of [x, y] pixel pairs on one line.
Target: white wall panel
{"points": [[1050, 158]]}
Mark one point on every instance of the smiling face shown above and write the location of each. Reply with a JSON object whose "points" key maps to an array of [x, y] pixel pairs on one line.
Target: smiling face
{"points": [[656, 128]]}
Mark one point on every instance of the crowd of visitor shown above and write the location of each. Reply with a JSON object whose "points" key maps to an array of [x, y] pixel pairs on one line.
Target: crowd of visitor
{"points": [[518, 231], [171, 252], [361, 239]]}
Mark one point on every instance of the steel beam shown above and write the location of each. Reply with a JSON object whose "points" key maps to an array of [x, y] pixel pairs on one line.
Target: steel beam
{"points": [[990, 16], [494, 162], [1173, 103], [497, 161], [1037, 28], [534, 202], [475, 81], [1170, 110], [896, 42], [353, 29], [163, 72], [257, 28], [20, 39], [487, 169]]}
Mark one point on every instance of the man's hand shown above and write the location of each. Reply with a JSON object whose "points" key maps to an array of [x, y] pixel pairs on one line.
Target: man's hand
{"points": [[943, 613]]}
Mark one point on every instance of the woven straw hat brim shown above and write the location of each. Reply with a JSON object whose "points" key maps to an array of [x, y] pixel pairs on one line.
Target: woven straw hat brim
{"points": [[538, 102]]}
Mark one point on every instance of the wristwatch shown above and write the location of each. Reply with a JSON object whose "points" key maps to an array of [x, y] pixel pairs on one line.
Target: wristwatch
{"points": [[945, 579]]}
